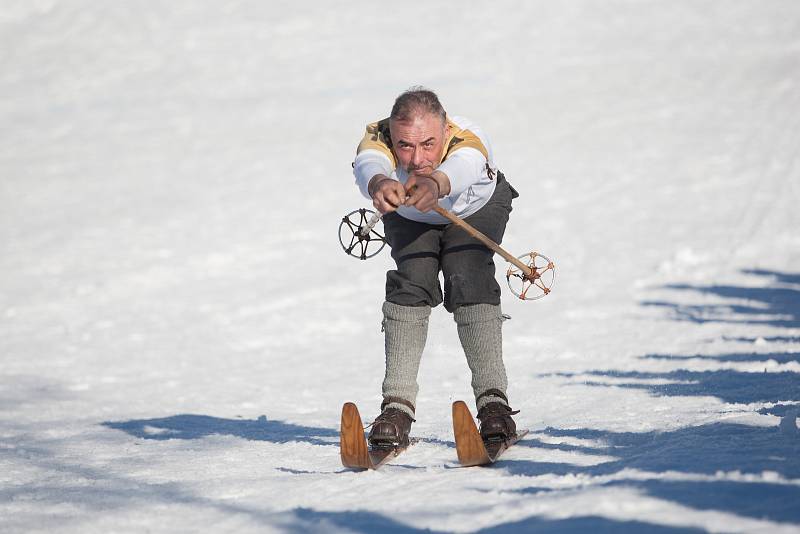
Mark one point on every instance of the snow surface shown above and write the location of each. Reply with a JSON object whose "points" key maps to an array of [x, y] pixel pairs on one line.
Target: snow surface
{"points": [[179, 326]]}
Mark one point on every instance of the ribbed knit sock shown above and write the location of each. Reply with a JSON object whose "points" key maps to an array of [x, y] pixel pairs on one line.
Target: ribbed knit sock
{"points": [[406, 330], [480, 332]]}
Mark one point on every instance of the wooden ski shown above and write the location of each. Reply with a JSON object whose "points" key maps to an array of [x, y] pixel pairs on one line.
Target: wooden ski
{"points": [[471, 448], [353, 446]]}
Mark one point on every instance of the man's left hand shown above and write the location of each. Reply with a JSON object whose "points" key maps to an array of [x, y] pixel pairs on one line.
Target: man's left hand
{"points": [[425, 191]]}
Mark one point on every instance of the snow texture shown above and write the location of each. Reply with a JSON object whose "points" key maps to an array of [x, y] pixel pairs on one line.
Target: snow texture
{"points": [[179, 326]]}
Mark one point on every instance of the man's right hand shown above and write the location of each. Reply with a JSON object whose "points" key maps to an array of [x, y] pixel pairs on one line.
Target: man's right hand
{"points": [[387, 194]]}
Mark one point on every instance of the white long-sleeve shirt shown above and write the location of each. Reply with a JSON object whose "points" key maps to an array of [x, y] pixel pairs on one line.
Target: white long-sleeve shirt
{"points": [[467, 162]]}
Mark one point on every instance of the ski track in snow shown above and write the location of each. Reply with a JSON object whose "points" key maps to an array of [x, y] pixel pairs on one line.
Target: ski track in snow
{"points": [[179, 327]]}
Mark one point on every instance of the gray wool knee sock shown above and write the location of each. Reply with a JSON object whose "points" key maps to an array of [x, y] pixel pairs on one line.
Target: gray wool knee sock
{"points": [[406, 330], [480, 332]]}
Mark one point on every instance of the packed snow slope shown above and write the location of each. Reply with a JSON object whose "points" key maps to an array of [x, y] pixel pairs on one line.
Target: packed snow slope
{"points": [[179, 326]]}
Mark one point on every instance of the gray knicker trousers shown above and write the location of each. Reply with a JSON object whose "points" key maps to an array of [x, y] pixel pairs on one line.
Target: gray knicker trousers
{"points": [[421, 250]]}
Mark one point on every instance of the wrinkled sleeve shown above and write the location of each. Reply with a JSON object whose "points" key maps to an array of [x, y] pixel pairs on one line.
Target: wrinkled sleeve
{"points": [[367, 164], [373, 155], [464, 167]]}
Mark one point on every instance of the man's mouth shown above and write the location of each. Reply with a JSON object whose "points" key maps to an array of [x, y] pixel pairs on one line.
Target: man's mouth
{"points": [[412, 169]]}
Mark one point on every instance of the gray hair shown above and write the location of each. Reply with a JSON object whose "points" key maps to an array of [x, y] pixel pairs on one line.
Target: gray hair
{"points": [[417, 101]]}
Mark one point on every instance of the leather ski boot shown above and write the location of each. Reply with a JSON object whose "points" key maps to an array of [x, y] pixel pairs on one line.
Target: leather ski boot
{"points": [[496, 422], [390, 429]]}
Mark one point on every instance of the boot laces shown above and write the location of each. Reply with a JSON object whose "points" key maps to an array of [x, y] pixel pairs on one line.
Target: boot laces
{"points": [[495, 409], [394, 416]]}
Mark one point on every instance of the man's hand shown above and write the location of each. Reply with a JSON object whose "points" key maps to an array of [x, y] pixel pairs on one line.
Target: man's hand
{"points": [[387, 194], [426, 190]]}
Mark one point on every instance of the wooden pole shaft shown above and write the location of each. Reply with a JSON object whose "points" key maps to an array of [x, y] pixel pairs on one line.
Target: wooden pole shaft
{"points": [[483, 239]]}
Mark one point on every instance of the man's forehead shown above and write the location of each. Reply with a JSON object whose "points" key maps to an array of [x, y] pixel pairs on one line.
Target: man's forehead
{"points": [[424, 121]]}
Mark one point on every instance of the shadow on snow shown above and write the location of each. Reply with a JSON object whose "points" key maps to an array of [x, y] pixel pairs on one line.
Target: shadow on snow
{"points": [[730, 386], [701, 450], [368, 522], [776, 305], [188, 426], [580, 525], [777, 357]]}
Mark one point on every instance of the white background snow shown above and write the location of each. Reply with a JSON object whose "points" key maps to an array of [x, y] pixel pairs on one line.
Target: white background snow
{"points": [[179, 326]]}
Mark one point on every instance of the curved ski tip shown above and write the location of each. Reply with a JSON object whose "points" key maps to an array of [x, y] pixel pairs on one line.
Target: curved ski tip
{"points": [[350, 412], [460, 405]]}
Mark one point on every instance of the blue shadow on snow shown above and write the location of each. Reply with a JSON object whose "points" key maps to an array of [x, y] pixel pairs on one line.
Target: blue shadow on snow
{"points": [[730, 386], [778, 357], [701, 450], [776, 305], [369, 522], [189, 426], [582, 525]]}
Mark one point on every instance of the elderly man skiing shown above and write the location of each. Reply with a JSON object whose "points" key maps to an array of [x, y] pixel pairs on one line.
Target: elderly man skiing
{"points": [[406, 164]]}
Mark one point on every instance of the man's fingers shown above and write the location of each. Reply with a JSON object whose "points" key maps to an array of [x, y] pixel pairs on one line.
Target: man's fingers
{"points": [[413, 194], [423, 197], [389, 195], [392, 197], [417, 192], [383, 207]]}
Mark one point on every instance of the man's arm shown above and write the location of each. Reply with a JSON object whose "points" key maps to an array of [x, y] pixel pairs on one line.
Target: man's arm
{"points": [[373, 156], [463, 168], [368, 165], [372, 170]]}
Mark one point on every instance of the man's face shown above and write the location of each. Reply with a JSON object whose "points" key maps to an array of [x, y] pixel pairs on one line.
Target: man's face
{"points": [[418, 143]]}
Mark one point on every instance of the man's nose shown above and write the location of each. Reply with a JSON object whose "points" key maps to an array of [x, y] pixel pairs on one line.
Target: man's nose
{"points": [[417, 157]]}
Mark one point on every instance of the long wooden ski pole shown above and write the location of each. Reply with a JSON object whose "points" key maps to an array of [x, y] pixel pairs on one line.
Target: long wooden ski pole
{"points": [[483, 239], [529, 275], [480, 236]]}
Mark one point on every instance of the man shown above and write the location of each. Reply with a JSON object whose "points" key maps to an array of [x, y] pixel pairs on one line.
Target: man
{"points": [[406, 164]]}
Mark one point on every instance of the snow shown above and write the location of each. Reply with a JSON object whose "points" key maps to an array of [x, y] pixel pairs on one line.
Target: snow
{"points": [[179, 327]]}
